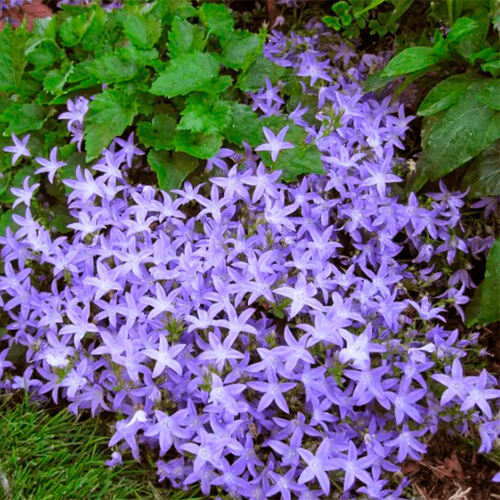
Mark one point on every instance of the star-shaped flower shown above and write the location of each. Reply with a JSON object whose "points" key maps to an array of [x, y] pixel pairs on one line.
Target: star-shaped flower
{"points": [[19, 148], [275, 143]]}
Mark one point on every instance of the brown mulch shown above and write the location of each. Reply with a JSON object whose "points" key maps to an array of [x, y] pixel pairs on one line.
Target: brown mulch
{"points": [[452, 470], [34, 10]]}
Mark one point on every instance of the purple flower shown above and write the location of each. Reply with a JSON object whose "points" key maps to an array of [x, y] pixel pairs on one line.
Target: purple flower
{"points": [[19, 148], [50, 166], [275, 143], [25, 194]]}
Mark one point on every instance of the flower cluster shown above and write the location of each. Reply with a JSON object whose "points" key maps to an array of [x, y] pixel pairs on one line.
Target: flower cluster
{"points": [[266, 339]]}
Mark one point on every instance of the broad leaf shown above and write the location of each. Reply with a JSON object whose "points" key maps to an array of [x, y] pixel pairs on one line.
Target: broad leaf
{"points": [[171, 168], [467, 35], [206, 114], [186, 73], [55, 79], [184, 37], [5, 221], [217, 18], [462, 132], [490, 93], [73, 28], [23, 117], [160, 133], [445, 94], [254, 78], [303, 159], [240, 49], [110, 113], [142, 30], [484, 307], [411, 60], [12, 57], [198, 145], [245, 126], [482, 177]]}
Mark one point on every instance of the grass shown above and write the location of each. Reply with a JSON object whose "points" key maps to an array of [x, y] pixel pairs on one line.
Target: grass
{"points": [[48, 454]]}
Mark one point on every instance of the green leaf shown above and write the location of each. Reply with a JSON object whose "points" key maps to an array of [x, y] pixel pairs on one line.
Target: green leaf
{"points": [[110, 113], [184, 37], [490, 94], [484, 306], [462, 132], [240, 49], [244, 126], [12, 57], [116, 67], [44, 54], [445, 94], [5, 221], [159, 134], [217, 18], [171, 169], [186, 73], [205, 114], [482, 177], [198, 145], [254, 77], [492, 67], [467, 35], [55, 79], [411, 60], [303, 159], [73, 28], [142, 30], [372, 5], [23, 117]]}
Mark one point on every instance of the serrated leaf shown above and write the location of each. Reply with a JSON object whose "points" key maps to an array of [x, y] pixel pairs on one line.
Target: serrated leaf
{"points": [[201, 146], [23, 117], [303, 159], [73, 28], [240, 49], [411, 60], [482, 177], [171, 168], [184, 37], [186, 73], [490, 93], [12, 58], [44, 54], [244, 126], [254, 77], [205, 114], [484, 307], [115, 67], [462, 132], [159, 134], [142, 30], [217, 18], [110, 113], [55, 79], [445, 94]]}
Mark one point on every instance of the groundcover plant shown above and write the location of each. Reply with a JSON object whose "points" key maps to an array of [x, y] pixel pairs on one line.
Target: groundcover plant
{"points": [[263, 339]]}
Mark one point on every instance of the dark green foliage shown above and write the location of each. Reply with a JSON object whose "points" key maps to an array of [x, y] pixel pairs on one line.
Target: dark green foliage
{"points": [[169, 70], [350, 17], [461, 112], [484, 307]]}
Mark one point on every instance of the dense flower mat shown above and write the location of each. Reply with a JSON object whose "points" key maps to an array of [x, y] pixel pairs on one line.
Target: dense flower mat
{"points": [[265, 339]]}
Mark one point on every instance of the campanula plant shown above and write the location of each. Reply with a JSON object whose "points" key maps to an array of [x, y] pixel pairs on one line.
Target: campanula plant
{"points": [[261, 338]]}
